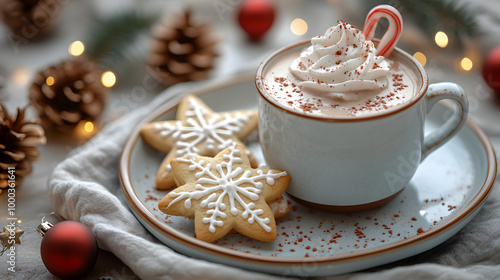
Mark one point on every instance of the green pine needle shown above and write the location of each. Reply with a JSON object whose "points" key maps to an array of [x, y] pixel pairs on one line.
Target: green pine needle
{"points": [[110, 41], [434, 15]]}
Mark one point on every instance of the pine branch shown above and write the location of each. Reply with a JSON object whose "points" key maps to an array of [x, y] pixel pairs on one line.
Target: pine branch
{"points": [[434, 15], [458, 16], [112, 39]]}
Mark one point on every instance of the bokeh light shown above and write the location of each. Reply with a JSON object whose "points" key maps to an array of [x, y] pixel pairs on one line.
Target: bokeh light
{"points": [[108, 79], [86, 129], [441, 39], [89, 127], [298, 26], [466, 63], [76, 48], [50, 80], [420, 57], [20, 77]]}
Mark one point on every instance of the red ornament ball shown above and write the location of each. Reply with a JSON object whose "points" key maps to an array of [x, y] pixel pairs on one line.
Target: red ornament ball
{"points": [[491, 69], [69, 250], [256, 17]]}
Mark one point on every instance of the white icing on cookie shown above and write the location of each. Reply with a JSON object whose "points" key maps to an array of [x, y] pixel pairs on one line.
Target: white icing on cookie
{"points": [[215, 132], [229, 183]]}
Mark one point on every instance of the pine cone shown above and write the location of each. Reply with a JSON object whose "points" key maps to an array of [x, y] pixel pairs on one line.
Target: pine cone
{"points": [[28, 18], [18, 138], [182, 51], [68, 93]]}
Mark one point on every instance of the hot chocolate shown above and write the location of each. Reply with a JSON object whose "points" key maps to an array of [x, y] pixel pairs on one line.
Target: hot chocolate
{"points": [[340, 75], [341, 116]]}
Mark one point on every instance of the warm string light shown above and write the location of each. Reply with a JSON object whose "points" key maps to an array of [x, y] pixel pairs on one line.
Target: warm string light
{"points": [[298, 26], [89, 127], [108, 79], [86, 129], [420, 57], [76, 48], [50, 80], [441, 39], [20, 77], [466, 64]]}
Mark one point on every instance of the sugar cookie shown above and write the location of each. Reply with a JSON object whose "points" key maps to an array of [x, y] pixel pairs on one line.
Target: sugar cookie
{"points": [[224, 193], [197, 131]]}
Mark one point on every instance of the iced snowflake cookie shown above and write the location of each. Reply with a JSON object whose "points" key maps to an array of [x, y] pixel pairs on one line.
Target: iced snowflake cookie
{"points": [[224, 193], [197, 131]]}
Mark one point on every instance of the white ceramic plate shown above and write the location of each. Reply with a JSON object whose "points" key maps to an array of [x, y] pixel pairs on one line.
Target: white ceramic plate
{"points": [[447, 191]]}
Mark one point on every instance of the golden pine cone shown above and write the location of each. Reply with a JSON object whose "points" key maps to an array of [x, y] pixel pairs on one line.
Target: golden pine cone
{"points": [[28, 18], [182, 50], [68, 93], [18, 140]]}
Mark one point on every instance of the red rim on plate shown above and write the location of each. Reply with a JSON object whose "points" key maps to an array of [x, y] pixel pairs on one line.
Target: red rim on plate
{"points": [[216, 250]]}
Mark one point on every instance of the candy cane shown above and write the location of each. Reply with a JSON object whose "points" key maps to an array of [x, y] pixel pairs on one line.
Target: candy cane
{"points": [[391, 36]]}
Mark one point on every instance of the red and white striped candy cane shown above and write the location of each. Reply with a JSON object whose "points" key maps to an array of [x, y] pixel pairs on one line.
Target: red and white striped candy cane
{"points": [[391, 36]]}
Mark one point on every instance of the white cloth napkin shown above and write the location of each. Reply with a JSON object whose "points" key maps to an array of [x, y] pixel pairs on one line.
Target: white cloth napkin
{"points": [[85, 188]]}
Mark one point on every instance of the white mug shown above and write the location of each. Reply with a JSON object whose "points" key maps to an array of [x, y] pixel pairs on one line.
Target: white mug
{"points": [[355, 164]]}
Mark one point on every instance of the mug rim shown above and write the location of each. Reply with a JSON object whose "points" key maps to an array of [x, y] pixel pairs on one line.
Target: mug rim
{"points": [[260, 88]]}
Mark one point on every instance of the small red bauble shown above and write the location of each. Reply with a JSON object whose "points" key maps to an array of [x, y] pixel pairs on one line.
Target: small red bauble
{"points": [[256, 17], [491, 69], [69, 250]]}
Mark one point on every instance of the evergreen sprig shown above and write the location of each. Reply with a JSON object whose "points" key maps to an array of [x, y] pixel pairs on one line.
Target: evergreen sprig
{"points": [[430, 16], [453, 14], [113, 39]]}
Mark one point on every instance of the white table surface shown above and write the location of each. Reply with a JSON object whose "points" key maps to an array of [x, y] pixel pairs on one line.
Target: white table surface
{"points": [[19, 64]]}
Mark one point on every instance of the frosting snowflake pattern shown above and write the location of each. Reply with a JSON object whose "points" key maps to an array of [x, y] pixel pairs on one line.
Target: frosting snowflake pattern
{"points": [[229, 181], [215, 132]]}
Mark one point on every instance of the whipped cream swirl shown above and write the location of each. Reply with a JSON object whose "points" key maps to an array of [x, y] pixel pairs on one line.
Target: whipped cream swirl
{"points": [[342, 61]]}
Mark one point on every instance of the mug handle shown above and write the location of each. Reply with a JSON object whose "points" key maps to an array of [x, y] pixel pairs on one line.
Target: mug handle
{"points": [[437, 92]]}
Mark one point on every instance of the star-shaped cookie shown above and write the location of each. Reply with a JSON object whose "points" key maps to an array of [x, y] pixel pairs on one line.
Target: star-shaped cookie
{"points": [[224, 193], [197, 131], [5, 236]]}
